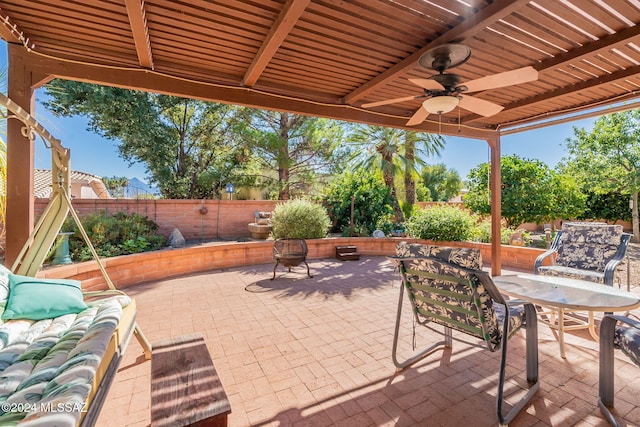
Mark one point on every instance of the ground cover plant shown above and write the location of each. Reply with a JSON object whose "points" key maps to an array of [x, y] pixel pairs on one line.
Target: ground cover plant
{"points": [[113, 234]]}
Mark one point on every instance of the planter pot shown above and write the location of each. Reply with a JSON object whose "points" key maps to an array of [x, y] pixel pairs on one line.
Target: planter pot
{"points": [[259, 231]]}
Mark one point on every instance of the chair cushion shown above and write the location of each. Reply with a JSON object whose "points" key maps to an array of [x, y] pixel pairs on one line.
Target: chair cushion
{"points": [[465, 257], [516, 319], [627, 338], [588, 245], [572, 273]]}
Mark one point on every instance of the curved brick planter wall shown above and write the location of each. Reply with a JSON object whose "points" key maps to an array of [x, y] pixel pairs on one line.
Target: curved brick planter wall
{"points": [[130, 270]]}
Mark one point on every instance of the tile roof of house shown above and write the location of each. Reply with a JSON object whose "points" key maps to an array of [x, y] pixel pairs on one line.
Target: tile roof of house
{"points": [[42, 183]]}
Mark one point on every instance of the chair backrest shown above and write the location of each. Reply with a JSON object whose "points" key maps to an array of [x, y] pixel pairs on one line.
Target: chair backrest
{"points": [[465, 257], [588, 245], [449, 294]]}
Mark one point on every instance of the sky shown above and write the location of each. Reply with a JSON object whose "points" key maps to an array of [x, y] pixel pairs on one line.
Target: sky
{"points": [[90, 153]]}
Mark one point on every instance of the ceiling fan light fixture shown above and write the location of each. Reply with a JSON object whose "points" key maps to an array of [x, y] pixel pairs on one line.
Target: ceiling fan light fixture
{"points": [[440, 104]]}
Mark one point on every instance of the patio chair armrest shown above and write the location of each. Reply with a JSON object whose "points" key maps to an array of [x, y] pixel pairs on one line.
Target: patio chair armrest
{"points": [[610, 320], [540, 259], [516, 302], [552, 250], [610, 268]]}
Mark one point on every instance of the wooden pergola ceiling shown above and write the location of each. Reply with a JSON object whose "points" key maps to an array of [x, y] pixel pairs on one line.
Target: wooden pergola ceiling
{"points": [[328, 57]]}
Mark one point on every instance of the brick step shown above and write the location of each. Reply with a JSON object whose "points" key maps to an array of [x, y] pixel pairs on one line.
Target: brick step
{"points": [[347, 253], [349, 256]]}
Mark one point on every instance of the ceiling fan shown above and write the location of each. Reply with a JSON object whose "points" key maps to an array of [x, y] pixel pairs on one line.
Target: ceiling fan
{"points": [[443, 91]]}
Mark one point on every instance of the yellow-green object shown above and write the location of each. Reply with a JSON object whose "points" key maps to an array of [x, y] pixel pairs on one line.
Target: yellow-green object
{"points": [[45, 232]]}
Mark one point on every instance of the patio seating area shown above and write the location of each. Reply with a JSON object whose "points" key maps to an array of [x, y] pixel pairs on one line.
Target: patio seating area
{"points": [[317, 351]]}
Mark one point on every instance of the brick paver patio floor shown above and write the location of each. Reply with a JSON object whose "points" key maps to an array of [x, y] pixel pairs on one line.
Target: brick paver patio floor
{"points": [[317, 352]]}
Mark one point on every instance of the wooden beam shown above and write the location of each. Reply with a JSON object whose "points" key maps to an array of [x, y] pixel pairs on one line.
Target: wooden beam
{"points": [[583, 85], [288, 17], [146, 80], [10, 32], [496, 203], [468, 28], [140, 30], [605, 44], [600, 46]]}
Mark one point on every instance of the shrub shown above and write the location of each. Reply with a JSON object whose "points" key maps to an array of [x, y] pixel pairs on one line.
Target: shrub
{"points": [[386, 224], [441, 223], [482, 232], [299, 219], [112, 235], [371, 200]]}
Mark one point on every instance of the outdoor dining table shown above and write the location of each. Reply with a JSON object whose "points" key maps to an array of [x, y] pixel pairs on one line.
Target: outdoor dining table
{"points": [[566, 294]]}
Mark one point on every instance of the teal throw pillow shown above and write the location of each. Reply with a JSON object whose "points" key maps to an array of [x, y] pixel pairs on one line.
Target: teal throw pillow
{"points": [[35, 299]]}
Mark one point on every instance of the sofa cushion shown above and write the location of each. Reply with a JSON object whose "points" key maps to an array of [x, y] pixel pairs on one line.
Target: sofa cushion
{"points": [[35, 299]]}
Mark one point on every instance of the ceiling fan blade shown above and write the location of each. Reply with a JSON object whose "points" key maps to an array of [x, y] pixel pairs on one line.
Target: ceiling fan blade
{"points": [[418, 117], [391, 101], [479, 106], [428, 84], [508, 78]]}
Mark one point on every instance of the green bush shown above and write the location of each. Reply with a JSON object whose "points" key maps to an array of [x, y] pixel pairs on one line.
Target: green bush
{"points": [[386, 224], [441, 223], [482, 232], [371, 201], [299, 219], [113, 235]]}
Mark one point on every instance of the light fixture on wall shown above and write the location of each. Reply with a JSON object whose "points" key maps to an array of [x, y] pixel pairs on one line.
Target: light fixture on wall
{"points": [[440, 104]]}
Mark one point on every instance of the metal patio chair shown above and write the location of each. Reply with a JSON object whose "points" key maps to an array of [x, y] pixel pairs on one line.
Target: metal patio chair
{"points": [[623, 333], [590, 251], [468, 301]]}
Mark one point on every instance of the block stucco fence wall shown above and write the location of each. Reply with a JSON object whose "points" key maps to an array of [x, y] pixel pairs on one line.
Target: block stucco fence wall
{"points": [[196, 219], [129, 270]]}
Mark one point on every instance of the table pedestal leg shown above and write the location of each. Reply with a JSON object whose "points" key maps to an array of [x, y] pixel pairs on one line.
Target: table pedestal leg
{"points": [[563, 353], [592, 327]]}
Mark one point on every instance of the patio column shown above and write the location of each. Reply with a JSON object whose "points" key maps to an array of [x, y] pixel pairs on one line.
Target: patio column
{"points": [[496, 203], [19, 219]]}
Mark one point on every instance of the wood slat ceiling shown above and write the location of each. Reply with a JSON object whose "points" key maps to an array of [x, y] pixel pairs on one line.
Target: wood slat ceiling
{"points": [[328, 57]]}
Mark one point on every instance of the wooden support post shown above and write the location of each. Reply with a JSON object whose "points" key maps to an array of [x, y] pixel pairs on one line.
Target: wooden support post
{"points": [[20, 154], [496, 206]]}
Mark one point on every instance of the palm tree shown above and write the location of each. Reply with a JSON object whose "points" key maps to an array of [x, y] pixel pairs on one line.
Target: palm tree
{"points": [[385, 150], [428, 144]]}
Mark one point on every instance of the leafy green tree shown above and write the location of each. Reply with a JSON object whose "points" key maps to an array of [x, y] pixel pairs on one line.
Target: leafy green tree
{"points": [[608, 206], [116, 185], [441, 183], [531, 192], [190, 148], [607, 159], [371, 201], [296, 148], [392, 152]]}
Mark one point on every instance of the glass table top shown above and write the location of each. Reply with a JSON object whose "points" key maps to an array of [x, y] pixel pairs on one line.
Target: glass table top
{"points": [[566, 293]]}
